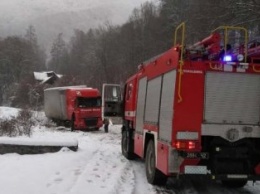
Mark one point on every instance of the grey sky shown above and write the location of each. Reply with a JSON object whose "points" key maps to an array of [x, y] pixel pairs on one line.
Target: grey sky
{"points": [[51, 17]]}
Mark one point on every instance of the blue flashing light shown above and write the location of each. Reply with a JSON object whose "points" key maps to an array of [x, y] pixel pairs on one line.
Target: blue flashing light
{"points": [[227, 58]]}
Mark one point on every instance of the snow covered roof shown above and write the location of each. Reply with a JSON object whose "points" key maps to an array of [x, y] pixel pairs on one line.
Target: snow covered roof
{"points": [[41, 76], [69, 87], [45, 76]]}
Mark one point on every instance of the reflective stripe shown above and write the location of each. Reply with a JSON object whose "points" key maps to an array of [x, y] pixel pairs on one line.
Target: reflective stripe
{"points": [[234, 63], [187, 135], [242, 67], [228, 68], [231, 63], [237, 176], [130, 113], [195, 170], [244, 64], [241, 70]]}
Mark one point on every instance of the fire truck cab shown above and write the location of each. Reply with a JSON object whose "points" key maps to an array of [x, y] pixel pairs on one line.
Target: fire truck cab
{"points": [[196, 110]]}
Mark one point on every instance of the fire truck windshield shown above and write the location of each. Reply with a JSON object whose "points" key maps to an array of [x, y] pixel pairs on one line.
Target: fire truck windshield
{"points": [[89, 102]]}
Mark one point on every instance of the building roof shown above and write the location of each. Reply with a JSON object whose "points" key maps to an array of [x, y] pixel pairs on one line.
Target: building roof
{"points": [[46, 76]]}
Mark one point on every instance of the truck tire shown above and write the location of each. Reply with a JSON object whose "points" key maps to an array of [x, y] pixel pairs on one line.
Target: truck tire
{"points": [[72, 127], [57, 122], [234, 183], [153, 175], [127, 146], [67, 124]]}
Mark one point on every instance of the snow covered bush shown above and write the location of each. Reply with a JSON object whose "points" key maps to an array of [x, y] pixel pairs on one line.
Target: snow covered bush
{"points": [[8, 127], [25, 122], [48, 123], [17, 126]]}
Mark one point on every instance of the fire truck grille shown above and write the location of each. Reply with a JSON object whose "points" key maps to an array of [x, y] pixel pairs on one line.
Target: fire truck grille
{"points": [[90, 122]]}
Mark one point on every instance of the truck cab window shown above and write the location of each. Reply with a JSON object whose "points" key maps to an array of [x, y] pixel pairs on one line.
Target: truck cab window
{"points": [[88, 102]]}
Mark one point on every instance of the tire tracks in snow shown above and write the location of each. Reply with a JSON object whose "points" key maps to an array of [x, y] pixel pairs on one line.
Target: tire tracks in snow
{"points": [[141, 184], [126, 182], [114, 174], [80, 166], [74, 173], [105, 167]]}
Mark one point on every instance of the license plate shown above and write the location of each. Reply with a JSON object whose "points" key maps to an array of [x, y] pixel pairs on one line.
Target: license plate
{"points": [[200, 155]]}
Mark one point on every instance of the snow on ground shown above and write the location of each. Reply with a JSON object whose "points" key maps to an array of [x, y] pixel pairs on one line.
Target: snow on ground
{"points": [[98, 167], [7, 112]]}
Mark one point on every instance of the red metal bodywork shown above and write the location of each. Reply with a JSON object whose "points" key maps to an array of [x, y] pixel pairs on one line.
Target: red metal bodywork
{"points": [[130, 99], [199, 107], [82, 113], [77, 105], [212, 39], [163, 157], [139, 145], [188, 111]]}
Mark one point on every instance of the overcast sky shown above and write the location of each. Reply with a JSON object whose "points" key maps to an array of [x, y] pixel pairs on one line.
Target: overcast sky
{"points": [[16, 15], [50, 17]]}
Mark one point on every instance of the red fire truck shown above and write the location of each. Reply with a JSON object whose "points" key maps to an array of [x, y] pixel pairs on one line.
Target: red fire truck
{"points": [[196, 110], [77, 106]]}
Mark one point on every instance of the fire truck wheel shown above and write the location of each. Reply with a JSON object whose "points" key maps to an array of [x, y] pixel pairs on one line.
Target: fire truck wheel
{"points": [[234, 183], [72, 123], [154, 176], [126, 144]]}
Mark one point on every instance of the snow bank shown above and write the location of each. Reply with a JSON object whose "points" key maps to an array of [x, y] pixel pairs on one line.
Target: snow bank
{"points": [[38, 142], [7, 112]]}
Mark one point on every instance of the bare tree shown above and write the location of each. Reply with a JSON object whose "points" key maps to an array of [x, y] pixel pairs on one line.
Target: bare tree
{"points": [[59, 54]]}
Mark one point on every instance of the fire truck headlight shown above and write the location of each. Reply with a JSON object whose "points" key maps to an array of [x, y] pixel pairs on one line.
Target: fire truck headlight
{"points": [[240, 57], [227, 58]]}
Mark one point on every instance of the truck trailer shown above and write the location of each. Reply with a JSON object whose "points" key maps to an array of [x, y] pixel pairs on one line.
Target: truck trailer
{"points": [[75, 106], [195, 111]]}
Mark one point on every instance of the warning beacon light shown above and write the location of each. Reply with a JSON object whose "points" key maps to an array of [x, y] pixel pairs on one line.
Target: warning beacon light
{"points": [[227, 58]]}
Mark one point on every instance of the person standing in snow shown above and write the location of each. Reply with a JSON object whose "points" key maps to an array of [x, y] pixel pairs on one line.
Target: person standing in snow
{"points": [[106, 123]]}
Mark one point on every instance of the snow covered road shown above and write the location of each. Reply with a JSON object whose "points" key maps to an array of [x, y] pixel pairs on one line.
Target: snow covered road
{"points": [[96, 168]]}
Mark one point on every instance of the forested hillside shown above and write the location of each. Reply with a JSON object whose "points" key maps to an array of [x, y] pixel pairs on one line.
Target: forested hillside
{"points": [[111, 53]]}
